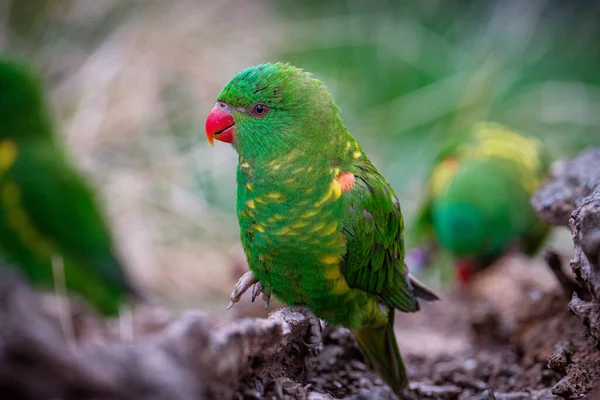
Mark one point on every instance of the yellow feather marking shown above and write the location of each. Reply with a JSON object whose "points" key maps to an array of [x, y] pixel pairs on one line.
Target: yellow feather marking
{"points": [[259, 228], [19, 221], [299, 224], [333, 272], [329, 229], [326, 197], [275, 167], [278, 216], [298, 170], [286, 231], [310, 168], [336, 171], [260, 200], [331, 259], [274, 195], [250, 204], [249, 186], [317, 227], [325, 213], [348, 144], [356, 154], [29, 237], [245, 165], [337, 189], [339, 286], [11, 194], [43, 248], [289, 180], [498, 141], [335, 243], [310, 213], [441, 175], [8, 154], [290, 156]]}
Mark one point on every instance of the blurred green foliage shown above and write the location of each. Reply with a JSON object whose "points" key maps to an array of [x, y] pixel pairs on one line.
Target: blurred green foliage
{"points": [[407, 74]]}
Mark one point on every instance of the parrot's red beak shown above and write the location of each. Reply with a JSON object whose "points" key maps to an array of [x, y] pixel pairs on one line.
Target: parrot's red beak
{"points": [[219, 125]]}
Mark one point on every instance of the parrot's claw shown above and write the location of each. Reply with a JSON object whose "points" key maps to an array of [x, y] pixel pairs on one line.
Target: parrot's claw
{"points": [[256, 290], [313, 339], [243, 284]]}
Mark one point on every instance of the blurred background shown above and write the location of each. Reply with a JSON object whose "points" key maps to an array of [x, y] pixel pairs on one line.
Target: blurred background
{"points": [[131, 83]]}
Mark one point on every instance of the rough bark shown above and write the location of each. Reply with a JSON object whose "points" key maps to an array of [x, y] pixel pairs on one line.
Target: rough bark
{"points": [[572, 197], [174, 356]]}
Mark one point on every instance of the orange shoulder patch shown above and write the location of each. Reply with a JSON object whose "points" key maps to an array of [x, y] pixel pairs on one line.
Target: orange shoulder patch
{"points": [[346, 180]]}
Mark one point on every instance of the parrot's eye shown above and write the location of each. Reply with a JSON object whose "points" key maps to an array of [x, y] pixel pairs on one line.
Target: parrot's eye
{"points": [[260, 110]]}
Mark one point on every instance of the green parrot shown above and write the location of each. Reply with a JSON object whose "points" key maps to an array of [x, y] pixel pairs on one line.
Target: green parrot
{"points": [[478, 201], [321, 227], [46, 207]]}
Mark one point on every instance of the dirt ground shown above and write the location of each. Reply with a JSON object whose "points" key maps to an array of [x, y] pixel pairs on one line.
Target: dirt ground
{"points": [[509, 336]]}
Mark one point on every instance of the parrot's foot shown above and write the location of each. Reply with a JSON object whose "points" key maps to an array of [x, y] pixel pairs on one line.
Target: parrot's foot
{"points": [[243, 284], [258, 289], [313, 336]]}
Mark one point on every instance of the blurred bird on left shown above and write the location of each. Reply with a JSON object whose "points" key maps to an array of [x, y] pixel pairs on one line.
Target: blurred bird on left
{"points": [[46, 207]]}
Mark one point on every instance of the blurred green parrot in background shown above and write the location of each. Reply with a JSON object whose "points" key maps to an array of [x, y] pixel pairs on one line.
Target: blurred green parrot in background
{"points": [[478, 201], [46, 207], [321, 227]]}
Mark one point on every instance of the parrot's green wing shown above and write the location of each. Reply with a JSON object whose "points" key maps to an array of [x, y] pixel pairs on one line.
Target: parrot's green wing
{"points": [[374, 260], [61, 208]]}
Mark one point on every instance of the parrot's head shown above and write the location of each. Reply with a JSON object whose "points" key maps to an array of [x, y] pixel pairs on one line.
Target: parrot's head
{"points": [[269, 109], [22, 111]]}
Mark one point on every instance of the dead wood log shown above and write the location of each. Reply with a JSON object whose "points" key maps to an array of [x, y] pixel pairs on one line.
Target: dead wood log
{"points": [[190, 357], [572, 197]]}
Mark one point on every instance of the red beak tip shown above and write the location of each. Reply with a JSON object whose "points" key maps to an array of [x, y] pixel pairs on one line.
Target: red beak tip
{"points": [[219, 126]]}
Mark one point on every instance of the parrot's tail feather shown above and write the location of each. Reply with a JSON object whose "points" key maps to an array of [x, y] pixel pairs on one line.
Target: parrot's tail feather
{"points": [[422, 291], [381, 351]]}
